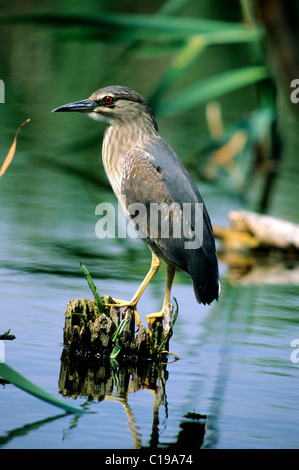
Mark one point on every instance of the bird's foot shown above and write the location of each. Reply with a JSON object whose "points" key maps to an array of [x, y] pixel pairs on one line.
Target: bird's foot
{"points": [[126, 304], [152, 316]]}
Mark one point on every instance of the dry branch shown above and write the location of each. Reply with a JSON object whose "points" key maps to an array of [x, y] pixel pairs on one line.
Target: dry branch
{"points": [[254, 231]]}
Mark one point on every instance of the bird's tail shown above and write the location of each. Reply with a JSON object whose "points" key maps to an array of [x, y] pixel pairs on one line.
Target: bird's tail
{"points": [[206, 283]]}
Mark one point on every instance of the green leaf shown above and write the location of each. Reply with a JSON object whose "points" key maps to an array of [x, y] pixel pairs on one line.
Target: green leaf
{"points": [[172, 6], [153, 25], [117, 338], [179, 65], [211, 88], [21, 382], [98, 298]]}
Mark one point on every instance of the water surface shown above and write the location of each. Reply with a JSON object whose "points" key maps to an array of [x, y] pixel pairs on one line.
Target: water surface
{"points": [[235, 385]]}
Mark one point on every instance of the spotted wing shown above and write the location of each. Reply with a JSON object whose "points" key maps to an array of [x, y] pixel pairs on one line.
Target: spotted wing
{"points": [[150, 207], [148, 180]]}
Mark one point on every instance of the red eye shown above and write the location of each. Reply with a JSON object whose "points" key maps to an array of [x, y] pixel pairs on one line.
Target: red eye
{"points": [[108, 100]]}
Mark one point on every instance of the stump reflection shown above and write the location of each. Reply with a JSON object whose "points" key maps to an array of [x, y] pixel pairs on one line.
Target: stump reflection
{"points": [[88, 377], [83, 376]]}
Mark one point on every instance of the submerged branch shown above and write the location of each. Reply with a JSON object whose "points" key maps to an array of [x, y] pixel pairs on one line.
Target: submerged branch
{"points": [[6, 335], [258, 232], [259, 249]]}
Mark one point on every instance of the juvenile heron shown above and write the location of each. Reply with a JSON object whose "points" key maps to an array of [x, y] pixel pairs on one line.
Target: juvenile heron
{"points": [[142, 168]]}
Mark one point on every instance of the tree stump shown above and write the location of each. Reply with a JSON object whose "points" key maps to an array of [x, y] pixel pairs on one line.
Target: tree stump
{"points": [[88, 331]]}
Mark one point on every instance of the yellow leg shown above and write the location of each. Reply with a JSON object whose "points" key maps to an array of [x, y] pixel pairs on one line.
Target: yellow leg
{"points": [[133, 303], [170, 276]]}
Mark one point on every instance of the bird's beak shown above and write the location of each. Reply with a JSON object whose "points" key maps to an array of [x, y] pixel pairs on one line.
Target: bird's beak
{"points": [[81, 106]]}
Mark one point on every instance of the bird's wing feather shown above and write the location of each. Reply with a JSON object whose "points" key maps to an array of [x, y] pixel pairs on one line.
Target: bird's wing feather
{"points": [[142, 186], [149, 180], [181, 187]]}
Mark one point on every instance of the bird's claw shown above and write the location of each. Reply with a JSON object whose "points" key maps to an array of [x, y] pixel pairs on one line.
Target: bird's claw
{"points": [[125, 304], [152, 316]]}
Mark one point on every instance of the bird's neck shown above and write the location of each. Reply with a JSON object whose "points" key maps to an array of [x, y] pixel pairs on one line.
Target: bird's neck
{"points": [[118, 140]]}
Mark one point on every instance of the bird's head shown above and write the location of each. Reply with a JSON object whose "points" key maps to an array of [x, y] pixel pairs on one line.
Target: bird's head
{"points": [[114, 105]]}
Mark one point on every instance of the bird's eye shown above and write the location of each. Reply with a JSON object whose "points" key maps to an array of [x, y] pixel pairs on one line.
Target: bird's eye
{"points": [[108, 100]]}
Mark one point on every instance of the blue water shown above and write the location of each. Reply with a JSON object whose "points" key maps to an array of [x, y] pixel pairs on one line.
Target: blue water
{"points": [[235, 385]]}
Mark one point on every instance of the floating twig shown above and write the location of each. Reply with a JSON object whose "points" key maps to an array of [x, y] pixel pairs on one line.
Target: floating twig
{"points": [[7, 336]]}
